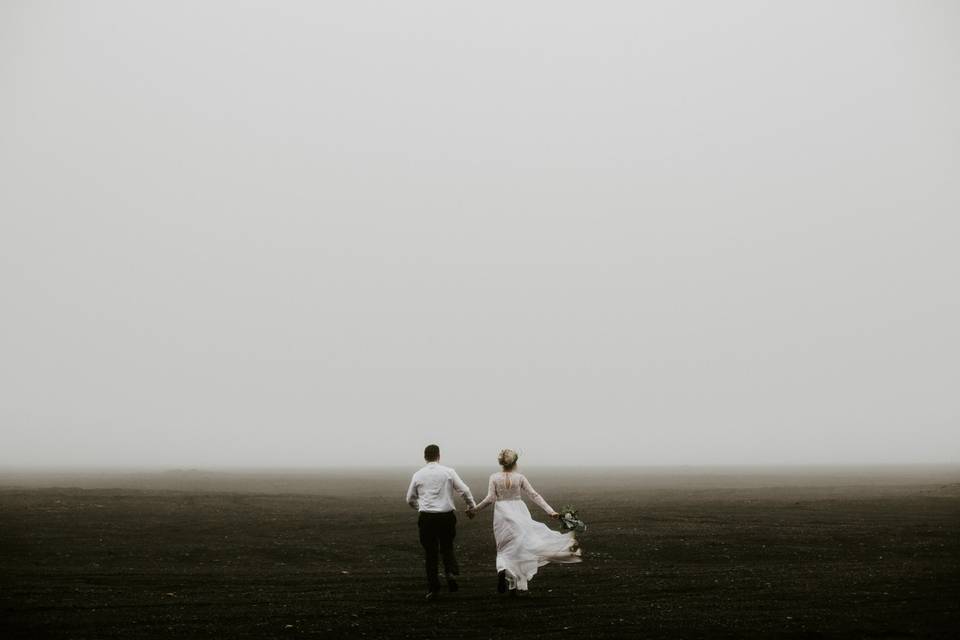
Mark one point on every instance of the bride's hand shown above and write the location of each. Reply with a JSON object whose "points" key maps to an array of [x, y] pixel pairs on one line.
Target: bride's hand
{"points": [[555, 515]]}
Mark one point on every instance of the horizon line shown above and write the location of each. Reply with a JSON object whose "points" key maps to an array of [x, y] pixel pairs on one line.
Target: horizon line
{"points": [[4, 468]]}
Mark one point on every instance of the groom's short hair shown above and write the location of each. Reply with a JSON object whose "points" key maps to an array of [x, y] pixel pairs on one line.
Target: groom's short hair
{"points": [[431, 453]]}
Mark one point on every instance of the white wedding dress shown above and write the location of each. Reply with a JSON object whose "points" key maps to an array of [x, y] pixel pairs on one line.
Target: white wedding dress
{"points": [[523, 544]]}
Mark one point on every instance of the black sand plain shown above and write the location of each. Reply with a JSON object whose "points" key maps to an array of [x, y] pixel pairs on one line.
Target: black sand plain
{"points": [[670, 553]]}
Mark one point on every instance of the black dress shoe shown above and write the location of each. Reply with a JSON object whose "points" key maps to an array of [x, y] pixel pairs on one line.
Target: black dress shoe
{"points": [[452, 584], [431, 595], [502, 582]]}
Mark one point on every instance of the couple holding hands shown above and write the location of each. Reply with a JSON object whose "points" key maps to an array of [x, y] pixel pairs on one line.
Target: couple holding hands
{"points": [[523, 544]]}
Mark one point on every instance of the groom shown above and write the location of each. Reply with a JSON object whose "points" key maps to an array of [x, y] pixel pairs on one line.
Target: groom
{"points": [[431, 493]]}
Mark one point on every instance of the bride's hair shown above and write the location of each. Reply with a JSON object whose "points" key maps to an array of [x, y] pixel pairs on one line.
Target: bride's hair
{"points": [[507, 459]]}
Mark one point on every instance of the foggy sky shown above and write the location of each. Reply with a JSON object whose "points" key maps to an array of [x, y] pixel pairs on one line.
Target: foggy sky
{"points": [[297, 233]]}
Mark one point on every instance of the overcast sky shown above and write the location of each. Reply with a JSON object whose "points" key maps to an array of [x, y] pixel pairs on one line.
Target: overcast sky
{"points": [[299, 233]]}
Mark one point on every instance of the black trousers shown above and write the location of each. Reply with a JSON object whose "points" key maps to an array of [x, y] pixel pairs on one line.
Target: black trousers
{"points": [[437, 531]]}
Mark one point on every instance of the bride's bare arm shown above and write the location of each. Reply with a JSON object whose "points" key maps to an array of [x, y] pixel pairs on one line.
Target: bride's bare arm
{"points": [[491, 496], [531, 493]]}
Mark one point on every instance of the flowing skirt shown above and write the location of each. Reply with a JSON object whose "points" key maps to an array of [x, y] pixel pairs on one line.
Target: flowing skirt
{"points": [[524, 545]]}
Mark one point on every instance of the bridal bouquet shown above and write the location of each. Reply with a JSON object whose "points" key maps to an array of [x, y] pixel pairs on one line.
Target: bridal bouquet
{"points": [[570, 520]]}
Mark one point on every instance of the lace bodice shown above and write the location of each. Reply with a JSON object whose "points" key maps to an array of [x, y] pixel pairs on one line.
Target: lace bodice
{"points": [[510, 485]]}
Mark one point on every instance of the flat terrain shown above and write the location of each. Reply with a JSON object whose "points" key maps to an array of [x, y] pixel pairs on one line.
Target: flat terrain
{"points": [[669, 553]]}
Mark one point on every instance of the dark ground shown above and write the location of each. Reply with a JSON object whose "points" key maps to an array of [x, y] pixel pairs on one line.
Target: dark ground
{"points": [[822, 553]]}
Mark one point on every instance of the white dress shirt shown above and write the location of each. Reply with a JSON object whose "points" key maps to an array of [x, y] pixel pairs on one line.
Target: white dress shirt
{"points": [[431, 489]]}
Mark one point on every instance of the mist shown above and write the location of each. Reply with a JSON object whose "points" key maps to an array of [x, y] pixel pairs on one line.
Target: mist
{"points": [[306, 235]]}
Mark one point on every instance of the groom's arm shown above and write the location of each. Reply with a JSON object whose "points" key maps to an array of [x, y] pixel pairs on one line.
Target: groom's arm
{"points": [[462, 489], [412, 497]]}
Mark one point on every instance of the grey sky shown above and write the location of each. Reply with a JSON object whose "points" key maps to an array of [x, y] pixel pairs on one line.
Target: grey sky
{"points": [[298, 233]]}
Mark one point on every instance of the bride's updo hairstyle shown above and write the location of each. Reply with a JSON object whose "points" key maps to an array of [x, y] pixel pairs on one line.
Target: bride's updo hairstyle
{"points": [[508, 459]]}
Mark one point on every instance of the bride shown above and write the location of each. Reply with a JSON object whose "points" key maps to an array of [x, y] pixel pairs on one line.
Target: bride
{"points": [[523, 544]]}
